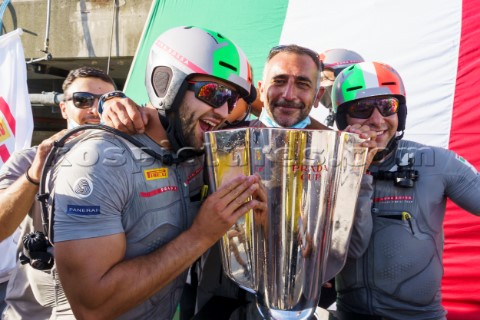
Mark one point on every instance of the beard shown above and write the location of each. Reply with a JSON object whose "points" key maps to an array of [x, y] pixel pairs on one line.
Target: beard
{"points": [[187, 127], [285, 119]]}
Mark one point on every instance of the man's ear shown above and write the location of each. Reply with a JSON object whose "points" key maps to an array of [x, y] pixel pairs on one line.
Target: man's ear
{"points": [[63, 107], [320, 92]]}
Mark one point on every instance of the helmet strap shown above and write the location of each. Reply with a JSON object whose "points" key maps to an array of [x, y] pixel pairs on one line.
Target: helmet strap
{"points": [[391, 146]]}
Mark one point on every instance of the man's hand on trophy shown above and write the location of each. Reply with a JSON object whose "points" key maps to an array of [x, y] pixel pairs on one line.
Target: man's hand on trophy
{"points": [[365, 132], [226, 205]]}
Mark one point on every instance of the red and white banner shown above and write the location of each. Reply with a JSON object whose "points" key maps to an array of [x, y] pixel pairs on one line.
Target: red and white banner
{"points": [[16, 121]]}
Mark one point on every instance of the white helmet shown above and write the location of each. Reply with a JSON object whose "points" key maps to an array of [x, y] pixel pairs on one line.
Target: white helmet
{"points": [[181, 52]]}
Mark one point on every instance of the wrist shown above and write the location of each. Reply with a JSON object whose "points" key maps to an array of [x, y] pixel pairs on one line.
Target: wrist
{"points": [[107, 96], [30, 179]]}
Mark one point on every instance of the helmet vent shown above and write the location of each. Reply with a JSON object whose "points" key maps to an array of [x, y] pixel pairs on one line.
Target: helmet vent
{"points": [[226, 65], [389, 83], [354, 88], [161, 78]]}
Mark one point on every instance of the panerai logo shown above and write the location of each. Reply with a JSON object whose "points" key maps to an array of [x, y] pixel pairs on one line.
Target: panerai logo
{"points": [[83, 210]]}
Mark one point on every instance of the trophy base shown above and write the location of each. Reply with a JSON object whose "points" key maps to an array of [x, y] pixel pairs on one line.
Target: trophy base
{"points": [[310, 314], [274, 314]]}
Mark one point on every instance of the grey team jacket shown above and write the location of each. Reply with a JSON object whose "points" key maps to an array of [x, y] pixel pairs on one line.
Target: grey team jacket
{"points": [[399, 276], [105, 186]]}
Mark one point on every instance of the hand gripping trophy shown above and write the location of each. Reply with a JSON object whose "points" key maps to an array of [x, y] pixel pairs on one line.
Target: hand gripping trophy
{"points": [[312, 179]]}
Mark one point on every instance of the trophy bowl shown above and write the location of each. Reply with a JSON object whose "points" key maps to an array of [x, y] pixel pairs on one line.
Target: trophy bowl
{"points": [[312, 179]]}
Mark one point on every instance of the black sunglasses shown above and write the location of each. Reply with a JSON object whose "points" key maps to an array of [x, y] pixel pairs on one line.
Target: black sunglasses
{"points": [[214, 94], [83, 100], [363, 109]]}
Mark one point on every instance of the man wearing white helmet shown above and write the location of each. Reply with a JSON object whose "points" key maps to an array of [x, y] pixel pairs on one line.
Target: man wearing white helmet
{"points": [[334, 61], [128, 224], [289, 90], [399, 275]]}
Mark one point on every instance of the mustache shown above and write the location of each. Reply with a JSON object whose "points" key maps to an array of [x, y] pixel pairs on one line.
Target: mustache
{"points": [[289, 104]]}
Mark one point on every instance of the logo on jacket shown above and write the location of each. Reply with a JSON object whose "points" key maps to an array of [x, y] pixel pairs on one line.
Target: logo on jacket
{"points": [[465, 162], [83, 187], [83, 210], [192, 175], [155, 174], [154, 192]]}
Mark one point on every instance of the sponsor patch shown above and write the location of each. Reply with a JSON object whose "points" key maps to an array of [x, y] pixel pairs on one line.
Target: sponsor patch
{"points": [[155, 174], [465, 162], [394, 199], [83, 210], [154, 192], [83, 187], [192, 175]]}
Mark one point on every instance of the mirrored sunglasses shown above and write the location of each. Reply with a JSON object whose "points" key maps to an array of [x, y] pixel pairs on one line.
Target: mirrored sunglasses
{"points": [[363, 109], [83, 100], [214, 94]]}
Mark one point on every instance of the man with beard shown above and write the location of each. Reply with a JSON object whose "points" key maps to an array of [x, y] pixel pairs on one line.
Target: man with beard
{"points": [[289, 90], [129, 218], [33, 291]]}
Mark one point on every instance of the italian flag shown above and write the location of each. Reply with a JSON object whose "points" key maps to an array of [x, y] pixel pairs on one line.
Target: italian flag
{"points": [[16, 123], [434, 45]]}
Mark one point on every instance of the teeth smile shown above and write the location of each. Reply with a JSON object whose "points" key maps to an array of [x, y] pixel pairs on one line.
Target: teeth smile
{"points": [[210, 124]]}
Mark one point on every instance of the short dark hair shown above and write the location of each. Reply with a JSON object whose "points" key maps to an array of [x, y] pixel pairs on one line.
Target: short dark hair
{"points": [[86, 72], [296, 49]]}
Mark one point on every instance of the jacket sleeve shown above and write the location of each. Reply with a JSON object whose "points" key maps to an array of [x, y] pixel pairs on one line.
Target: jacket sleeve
{"points": [[363, 223], [462, 183]]}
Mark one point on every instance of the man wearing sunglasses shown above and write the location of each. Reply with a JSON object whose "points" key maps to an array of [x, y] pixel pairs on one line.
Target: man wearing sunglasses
{"points": [[289, 90], [399, 275], [128, 224], [33, 293]]}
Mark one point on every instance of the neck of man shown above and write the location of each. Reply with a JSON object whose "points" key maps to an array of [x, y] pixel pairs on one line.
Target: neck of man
{"points": [[269, 122], [155, 131]]}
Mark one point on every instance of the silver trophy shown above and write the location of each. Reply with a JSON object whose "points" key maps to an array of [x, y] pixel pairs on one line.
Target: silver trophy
{"points": [[312, 180]]}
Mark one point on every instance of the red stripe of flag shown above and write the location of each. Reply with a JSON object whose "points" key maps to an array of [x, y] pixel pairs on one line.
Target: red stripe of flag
{"points": [[461, 283], [5, 109]]}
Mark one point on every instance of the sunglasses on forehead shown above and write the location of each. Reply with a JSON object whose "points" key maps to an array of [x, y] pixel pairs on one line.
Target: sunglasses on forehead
{"points": [[83, 100], [214, 94], [363, 109]]}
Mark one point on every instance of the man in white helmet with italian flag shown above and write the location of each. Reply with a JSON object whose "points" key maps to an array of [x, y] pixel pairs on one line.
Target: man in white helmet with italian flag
{"points": [[399, 275], [127, 224]]}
